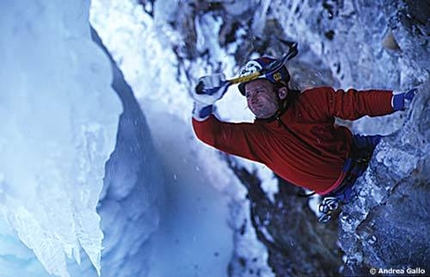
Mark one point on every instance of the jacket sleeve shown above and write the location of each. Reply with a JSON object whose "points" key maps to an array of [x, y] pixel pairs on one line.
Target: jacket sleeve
{"points": [[233, 138], [352, 104]]}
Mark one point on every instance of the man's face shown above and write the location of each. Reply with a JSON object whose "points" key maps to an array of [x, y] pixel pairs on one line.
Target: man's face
{"points": [[261, 98]]}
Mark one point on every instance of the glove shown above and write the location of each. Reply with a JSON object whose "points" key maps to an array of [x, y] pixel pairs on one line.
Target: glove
{"points": [[402, 101], [209, 89]]}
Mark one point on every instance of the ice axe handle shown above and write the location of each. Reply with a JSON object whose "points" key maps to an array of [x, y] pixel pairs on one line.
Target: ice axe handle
{"points": [[200, 88], [276, 65]]}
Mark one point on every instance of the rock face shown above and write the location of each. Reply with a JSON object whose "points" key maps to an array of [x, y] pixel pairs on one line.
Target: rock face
{"points": [[384, 227]]}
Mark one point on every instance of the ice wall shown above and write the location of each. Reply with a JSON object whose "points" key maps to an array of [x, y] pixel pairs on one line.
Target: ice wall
{"points": [[60, 117], [133, 185]]}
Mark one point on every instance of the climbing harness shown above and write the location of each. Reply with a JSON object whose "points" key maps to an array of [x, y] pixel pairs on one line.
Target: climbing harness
{"points": [[354, 167]]}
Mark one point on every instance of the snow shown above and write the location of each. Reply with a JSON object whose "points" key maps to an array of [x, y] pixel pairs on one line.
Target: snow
{"points": [[194, 238], [169, 96], [61, 123]]}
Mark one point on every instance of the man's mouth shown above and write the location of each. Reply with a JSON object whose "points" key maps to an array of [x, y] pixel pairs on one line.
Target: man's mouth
{"points": [[255, 108]]}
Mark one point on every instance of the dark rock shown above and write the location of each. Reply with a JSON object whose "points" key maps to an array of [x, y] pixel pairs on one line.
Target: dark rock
{"points": [[297, 244]]}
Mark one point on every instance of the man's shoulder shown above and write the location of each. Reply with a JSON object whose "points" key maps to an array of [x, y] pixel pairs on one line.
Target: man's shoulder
{"points": [[313, 101], [319, 89], [315, 93]]}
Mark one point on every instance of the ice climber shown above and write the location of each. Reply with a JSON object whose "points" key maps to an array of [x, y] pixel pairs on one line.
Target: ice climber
{"points": [[294, 133]]}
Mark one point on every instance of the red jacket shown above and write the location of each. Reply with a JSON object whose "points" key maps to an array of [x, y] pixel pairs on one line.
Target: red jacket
{"points": [[305, 148]]}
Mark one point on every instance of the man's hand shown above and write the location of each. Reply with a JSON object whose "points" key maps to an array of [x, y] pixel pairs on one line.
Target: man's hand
{"points": [[208, 90], [409, 96], [402, 100]]}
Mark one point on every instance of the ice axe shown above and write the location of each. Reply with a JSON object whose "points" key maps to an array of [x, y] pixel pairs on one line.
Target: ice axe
{"points": [[272, 67]]}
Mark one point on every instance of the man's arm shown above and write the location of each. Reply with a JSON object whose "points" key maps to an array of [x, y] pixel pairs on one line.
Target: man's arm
{"points": [[232, 138], [354, 104], [241, 139]]}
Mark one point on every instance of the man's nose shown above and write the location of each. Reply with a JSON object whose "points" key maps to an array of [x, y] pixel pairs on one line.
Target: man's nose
{"points": [[253, 98]]}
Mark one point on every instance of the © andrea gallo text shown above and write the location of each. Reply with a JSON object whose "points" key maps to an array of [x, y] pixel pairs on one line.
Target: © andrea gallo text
{"points": [[412, 271]]}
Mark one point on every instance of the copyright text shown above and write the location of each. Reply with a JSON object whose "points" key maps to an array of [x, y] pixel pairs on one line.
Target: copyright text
{"points": [[398, 271]]}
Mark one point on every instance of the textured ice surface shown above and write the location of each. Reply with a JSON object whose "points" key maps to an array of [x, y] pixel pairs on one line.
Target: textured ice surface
{"points": [[61, 123]]}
